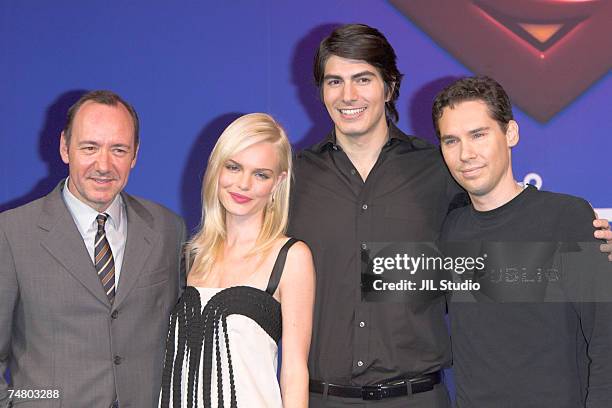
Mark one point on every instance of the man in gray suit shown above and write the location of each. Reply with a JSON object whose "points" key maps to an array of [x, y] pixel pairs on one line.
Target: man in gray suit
{"points": [[88, 275]]}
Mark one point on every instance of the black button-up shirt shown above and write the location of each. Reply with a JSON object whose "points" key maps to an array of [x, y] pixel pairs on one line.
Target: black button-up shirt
{"points": [[405, 198]]}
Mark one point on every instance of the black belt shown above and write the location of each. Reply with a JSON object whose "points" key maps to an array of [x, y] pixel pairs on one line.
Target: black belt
{"points": [[391, 389]]}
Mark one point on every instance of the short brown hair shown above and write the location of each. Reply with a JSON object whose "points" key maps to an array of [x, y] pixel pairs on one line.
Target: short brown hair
{"points": [[105, 98], [479, 88]]}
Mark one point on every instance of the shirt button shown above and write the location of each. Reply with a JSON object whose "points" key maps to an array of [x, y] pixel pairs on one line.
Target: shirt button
{"points": [[117, 360], [360, 363], [364, 246], [353, 172], [364, 207], [361, 324], [335, 147], [114, 314]]}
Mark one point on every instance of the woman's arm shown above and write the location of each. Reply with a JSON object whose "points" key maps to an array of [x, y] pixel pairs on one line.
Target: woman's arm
{"points": [[296, 293]]}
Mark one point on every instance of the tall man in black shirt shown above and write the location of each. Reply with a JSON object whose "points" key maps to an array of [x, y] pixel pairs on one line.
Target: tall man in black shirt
{"points": [[366, 182], [513, 354]]}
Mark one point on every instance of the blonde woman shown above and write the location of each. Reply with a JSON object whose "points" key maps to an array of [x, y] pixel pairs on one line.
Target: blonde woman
{"points": [[247, 283]]}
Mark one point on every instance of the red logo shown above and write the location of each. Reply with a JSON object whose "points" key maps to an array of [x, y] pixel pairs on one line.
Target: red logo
{"points": [[544, 52]]}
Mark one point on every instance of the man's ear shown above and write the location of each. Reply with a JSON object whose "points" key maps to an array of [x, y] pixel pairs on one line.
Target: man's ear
{"points": [[135, 157], [390, 90], [63, 148], [512, 133]]}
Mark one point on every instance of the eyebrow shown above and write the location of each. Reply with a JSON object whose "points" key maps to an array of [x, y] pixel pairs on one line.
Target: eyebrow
{"points": [[480, 129], [240, 165], [444, 137], [354, 76], [471, 132], [94, 143], [91, 142]]}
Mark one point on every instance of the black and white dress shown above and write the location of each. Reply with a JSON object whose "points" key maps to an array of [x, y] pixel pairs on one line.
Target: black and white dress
{"points": [[222, 346]]}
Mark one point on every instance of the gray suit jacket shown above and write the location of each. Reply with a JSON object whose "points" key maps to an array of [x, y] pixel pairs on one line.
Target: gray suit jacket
{"points": [[58, 330]]}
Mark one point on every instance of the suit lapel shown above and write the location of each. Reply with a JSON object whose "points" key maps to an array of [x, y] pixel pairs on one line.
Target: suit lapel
{"points": [[140, 242], [65, 244]]}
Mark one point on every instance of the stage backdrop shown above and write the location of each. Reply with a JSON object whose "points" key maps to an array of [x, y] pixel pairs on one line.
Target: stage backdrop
{"points": [[191, 67]]}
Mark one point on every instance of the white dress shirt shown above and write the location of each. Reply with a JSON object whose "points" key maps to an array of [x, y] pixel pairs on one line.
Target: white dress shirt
{"points": [[116, 226]]}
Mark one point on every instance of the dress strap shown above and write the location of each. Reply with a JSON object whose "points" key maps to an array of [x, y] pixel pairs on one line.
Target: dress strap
{"points": [[279, 266]]}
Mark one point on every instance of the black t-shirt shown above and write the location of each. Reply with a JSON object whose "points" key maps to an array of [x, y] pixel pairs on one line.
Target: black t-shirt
{"points": [[529, 354]]}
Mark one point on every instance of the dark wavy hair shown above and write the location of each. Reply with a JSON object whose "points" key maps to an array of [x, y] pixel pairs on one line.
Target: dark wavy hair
{"points": [[365, 43], [478, 88]]}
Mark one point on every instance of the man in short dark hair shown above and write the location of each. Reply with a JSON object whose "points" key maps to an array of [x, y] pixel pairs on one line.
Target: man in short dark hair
{"points": [[365, 182], [482, 89], [360, 42], [522, 353], [88, 274], [102, 97]]}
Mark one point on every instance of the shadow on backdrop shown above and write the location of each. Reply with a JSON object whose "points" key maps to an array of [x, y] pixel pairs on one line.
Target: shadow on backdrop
{"points": [[48, 149], [193, 172], [420, 108], [307, 91]]}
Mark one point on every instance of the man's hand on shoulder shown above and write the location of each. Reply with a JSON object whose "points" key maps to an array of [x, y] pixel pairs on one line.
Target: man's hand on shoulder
{"points": [[603, 232]]}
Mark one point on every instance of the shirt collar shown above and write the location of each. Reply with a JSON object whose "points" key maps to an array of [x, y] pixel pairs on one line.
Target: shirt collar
{"points": [[85, 216], [330, 140]]}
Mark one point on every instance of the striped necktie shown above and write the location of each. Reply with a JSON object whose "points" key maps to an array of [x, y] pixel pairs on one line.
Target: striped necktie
{"points": [[103, 259]]}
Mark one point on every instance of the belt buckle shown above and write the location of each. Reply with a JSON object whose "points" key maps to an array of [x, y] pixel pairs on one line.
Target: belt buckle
{"points": [[371, 392]]}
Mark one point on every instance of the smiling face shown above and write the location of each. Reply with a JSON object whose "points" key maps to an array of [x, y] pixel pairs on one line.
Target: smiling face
{"points": [[477, 151], [101, 153], [248, 179], [354, 95]]}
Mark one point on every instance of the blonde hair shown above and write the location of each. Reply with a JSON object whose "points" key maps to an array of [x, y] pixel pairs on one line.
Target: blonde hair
{"points": [[206, 245]]}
